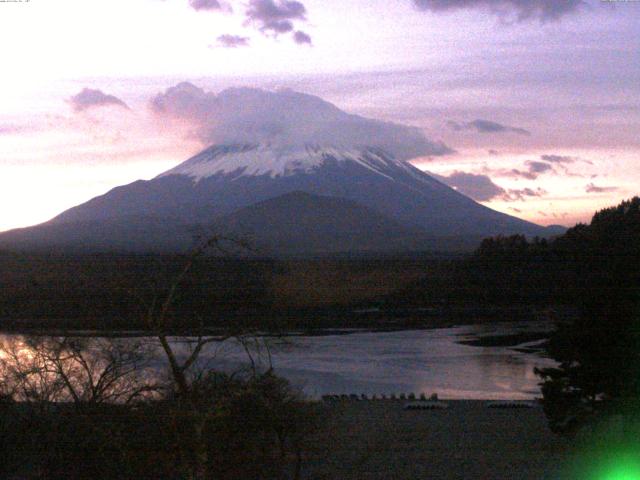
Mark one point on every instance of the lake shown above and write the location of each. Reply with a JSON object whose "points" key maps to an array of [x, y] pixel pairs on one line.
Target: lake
{"points": [[418, 361], [406, 361]]}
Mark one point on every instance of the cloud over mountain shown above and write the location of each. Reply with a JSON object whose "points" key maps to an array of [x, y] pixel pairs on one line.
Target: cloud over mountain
{"points": [[89, 98], [252, 116], [520, 10]]}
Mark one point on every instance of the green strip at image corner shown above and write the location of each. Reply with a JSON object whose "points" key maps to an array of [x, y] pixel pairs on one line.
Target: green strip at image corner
{"points": [[624, 467]]}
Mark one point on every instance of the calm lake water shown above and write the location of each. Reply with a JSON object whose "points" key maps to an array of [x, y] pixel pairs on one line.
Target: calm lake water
{"points": [[429, 361]]}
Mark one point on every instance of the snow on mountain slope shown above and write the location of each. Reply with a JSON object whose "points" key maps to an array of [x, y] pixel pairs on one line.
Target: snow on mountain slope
{"points": [[278, 161]]}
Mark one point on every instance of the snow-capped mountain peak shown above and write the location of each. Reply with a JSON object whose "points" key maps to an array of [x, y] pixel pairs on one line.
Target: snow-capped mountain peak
{"points": [[279, 160]]}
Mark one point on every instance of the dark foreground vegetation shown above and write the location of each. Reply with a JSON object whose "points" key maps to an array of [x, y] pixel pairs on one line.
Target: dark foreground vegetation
{"points": [[241, 428], [599, 352], [100, 408], [104, 408], [111, 291]]}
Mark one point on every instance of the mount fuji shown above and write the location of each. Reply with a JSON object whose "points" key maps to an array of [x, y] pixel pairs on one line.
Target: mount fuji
{"points": [[289, 196]]}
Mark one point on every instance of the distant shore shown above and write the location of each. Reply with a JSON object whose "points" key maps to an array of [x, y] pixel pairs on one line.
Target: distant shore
{"points": [[537, 336], [294, 322]]}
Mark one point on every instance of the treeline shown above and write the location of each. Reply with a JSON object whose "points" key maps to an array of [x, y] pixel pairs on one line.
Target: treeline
{"points": [[595, 260], [587, 261], [599, 352]]}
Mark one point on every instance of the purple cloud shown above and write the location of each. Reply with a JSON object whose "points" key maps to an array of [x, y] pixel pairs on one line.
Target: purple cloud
{"points": [[233, 41], [591, 188], [186, 101], [538, 167], [557, 158], [205, 4], [479, 187], [533, 171], [275, 16], [521, 173], [486, 126], [482, 188], [301, 38], [521, 194], [89, 98], [520, 10]]}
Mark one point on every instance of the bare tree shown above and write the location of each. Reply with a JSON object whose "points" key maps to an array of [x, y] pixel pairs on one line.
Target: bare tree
{"points": [[84, 371], [194, 409], [70, 402], [202, 395]]}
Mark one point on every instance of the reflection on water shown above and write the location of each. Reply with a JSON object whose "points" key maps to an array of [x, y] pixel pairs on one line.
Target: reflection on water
{"points": [[411, 361], [398, 362]]}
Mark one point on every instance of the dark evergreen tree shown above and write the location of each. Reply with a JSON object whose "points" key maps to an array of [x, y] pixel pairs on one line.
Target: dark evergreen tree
{"points": [[599, 352]]}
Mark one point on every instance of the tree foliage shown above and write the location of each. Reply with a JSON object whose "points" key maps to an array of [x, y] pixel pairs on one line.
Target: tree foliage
{"points": [[598, 352], [594, 268]]}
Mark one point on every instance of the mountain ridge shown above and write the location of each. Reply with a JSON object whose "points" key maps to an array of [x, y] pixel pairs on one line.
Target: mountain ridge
{"points": [[299, 222], [224, 179]]}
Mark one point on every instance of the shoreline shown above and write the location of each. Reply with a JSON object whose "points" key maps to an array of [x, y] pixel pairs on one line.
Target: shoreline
{"points": [[36, 328], [372, 317], [534, 341]]}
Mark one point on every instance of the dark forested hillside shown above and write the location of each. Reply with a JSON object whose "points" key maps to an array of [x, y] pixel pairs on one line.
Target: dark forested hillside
{"points": [[563, 270]]}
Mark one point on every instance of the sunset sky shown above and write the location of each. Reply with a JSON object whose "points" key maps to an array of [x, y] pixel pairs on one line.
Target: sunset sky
{"points": [[537, 100]]}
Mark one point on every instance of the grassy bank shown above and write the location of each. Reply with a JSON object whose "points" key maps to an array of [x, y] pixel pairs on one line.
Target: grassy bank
{"points": [[115, 291]]}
